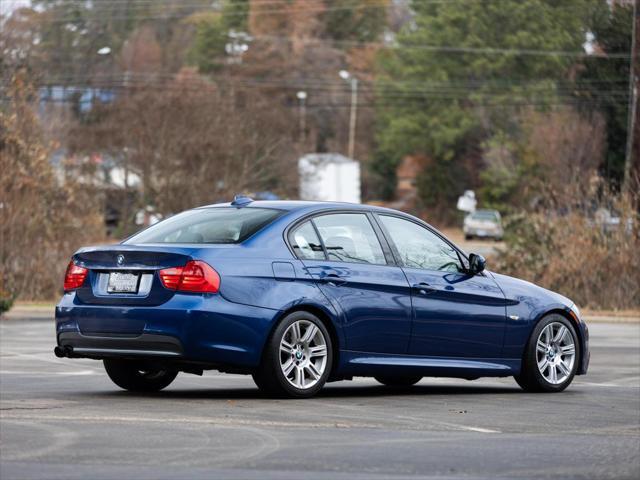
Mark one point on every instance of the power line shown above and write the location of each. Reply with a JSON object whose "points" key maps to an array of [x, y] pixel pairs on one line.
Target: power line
{"points": [[548, 97], [447, 48], [354, 43], [285, 3], [488, 87], [375, 104], [330, 79], [453, 49]]}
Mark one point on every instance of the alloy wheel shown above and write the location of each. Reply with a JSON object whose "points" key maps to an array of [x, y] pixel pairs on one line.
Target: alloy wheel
{"points": [[303, 354], [555, 353]]}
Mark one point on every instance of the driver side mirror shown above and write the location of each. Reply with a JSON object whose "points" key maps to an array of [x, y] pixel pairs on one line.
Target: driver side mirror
{"points": [[476, 263]]}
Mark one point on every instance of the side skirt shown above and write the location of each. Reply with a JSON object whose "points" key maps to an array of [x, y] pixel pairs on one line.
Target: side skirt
{"points": [[370, 364]]}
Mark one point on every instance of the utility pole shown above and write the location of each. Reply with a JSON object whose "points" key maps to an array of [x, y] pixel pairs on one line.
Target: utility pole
{"points": [[353, 113], [633, 100], [352, 117], [302, 96]]}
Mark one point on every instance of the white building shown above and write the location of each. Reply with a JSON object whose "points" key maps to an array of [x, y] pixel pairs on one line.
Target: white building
{"points": [[329, 177]]}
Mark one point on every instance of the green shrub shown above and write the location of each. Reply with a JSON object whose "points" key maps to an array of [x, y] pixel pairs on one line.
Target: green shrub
{"points": [[6, 302]]}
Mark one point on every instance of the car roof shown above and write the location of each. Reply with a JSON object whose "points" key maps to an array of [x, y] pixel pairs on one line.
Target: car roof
{"points": [[293, 205], [303, 207]]}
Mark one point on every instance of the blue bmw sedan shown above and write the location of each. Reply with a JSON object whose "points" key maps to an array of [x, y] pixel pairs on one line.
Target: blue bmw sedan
{"points": [[297, 294]]}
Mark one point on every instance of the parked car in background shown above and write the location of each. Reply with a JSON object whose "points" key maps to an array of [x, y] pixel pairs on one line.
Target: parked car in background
{"points": [[609, 221], [483, 224], [300, 293]]}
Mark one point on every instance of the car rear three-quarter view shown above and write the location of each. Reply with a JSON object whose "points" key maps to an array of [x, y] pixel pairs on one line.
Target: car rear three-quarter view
{"points": [[300, 293]]}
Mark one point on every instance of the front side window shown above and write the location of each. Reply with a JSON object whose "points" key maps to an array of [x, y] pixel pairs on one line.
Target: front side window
{"points": [[305, 242], [349, 237], [208, 225], [419, 247]]}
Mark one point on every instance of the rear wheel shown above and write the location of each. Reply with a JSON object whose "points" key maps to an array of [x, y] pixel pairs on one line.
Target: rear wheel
{"points": [[399, 381], [297, 358], [137, 376], [550, 360]]}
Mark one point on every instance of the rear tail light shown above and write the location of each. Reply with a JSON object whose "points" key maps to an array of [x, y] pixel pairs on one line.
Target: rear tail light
{"points": [[196, 276], [74, 277]]}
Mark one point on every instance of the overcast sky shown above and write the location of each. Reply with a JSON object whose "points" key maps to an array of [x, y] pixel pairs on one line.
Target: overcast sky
{"points": [[7, 5]]}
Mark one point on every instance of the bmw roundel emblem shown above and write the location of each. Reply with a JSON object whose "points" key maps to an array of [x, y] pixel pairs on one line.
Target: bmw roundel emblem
{"points": [[120, 259]]}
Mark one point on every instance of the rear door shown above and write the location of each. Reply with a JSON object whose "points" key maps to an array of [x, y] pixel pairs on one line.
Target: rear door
{"points": [[353, 268], [455, 314]]}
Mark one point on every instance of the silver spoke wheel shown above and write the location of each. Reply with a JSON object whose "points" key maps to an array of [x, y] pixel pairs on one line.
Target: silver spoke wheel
{"points": [[555, 353], [303, 354]]}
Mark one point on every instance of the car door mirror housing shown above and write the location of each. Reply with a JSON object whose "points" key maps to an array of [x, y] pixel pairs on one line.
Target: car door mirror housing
{"points": [[477, 263]]}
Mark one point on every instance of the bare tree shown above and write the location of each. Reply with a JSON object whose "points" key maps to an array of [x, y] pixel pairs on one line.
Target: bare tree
{"points": [[192, 143], [44, 216], [567, 148]]}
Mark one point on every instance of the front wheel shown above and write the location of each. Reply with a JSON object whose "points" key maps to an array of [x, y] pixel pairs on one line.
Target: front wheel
{"points": [[551, 357], [297, 358], [138, 376]]}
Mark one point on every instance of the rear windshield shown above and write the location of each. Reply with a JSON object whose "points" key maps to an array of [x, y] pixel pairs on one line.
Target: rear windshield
{"points": [[208, 225], [484, 215]]}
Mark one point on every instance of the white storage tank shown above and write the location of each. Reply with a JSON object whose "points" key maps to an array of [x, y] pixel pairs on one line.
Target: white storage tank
{"points": [[329, 177]]}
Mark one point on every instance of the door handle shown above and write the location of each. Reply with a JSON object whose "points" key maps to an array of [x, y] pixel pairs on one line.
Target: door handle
{"points": [[333, 279], [423, 288]]}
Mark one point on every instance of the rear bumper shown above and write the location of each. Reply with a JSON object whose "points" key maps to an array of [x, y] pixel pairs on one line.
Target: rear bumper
{"points": [[194, 328], [75, 344]]}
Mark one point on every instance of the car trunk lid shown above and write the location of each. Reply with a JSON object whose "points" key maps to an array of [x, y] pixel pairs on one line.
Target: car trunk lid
{"points": [[128, 274]]}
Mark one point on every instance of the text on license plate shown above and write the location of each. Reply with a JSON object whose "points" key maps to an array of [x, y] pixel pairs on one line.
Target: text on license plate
{"points": [[122, 282]]}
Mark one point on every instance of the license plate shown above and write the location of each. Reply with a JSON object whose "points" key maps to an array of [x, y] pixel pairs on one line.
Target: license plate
{"points": [[482, 233], [123, 282]]}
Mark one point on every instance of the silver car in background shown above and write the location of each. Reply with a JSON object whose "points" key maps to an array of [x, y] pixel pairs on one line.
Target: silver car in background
{"points": [[483, 224]]}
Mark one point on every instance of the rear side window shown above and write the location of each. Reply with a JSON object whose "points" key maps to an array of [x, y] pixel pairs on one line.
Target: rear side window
{"points": [[305, 243], [349, 237], [208, 225]]}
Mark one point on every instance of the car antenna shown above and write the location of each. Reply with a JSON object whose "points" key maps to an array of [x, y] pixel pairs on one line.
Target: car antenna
{"points": [[241, 200]]}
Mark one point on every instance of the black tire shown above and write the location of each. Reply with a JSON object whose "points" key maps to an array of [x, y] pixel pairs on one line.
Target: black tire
{"points": [[399, 381], [468, 237], [138, 376], [270, 378], [530, 378]]}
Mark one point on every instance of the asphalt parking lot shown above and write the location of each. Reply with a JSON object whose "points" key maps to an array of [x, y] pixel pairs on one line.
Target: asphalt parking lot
{"points": [[63, 418]]}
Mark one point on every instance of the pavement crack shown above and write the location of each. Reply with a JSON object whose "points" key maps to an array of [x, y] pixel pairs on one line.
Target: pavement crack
{"points": [[6, 409]]}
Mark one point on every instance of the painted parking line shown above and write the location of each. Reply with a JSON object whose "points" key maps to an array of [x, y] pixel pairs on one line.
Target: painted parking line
{"points": [[46, 374], [221, 421]]}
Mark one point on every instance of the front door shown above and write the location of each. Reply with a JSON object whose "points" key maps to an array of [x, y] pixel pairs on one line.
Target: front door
{"points": [[455, 314], [350, 267]]}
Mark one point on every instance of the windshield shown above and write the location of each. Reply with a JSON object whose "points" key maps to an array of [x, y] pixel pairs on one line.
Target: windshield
{"points": [[208, 225]]}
